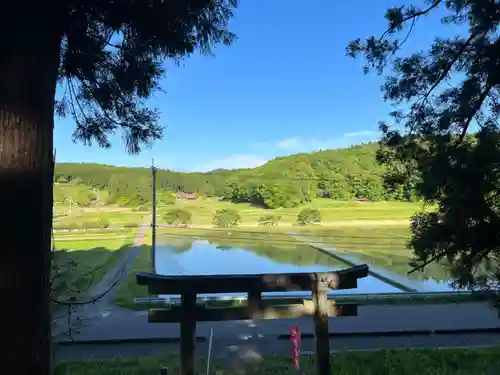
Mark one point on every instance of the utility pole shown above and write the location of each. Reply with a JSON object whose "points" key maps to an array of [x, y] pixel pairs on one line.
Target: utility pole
{"points": [[153, 221]]}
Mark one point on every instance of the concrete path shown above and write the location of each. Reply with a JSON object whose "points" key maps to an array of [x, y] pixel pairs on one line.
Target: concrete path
{"points": [[124, 324]]}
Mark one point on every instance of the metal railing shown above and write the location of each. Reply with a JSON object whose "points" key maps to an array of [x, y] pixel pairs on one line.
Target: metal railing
{"points": [[307, 297]]}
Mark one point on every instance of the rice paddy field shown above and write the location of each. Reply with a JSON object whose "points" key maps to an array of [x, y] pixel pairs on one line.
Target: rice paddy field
{"points": [[103, 218], [374, 233], [203, 210]]}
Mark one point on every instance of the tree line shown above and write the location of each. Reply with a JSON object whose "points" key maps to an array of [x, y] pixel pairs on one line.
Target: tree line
{"points": [[228, 218], [288, 181]]}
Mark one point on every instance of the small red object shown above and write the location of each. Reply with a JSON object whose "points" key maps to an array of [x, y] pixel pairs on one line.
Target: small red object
{"points": [[295, 340]]}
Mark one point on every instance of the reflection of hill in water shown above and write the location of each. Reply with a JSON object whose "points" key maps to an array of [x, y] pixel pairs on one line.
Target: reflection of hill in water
{"points": [[289, 253], [398, 263], [282, 251], [177, 244]]}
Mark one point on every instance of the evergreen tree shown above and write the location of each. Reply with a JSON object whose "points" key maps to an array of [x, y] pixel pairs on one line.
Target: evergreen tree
{"points": [[446, 131], [106, 59]]}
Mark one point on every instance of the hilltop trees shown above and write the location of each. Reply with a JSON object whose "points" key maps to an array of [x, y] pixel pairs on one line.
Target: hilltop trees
{"points": [[268, 195], [105, 56], [290, 181], [448, 142]]}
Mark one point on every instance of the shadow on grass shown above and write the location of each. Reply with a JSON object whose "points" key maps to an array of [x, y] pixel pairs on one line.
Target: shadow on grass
{"points": [[128, 289], [75, 273], [90, 278]]}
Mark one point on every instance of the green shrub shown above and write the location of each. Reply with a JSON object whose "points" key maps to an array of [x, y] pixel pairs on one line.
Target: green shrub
{"points": [[103, 222], [308, 216], [69, 225], [226, 218], [131, 224], [167, 197], [95, 223], [122, 201], [177, 217], [89, 224], [269, 220]]}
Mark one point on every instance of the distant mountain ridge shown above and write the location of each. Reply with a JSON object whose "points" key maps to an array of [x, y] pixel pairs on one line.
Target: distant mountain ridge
{"points": [[337, 173]]}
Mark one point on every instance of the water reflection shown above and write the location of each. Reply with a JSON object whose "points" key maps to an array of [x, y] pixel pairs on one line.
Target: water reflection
{"points": [[201, 257], [434, 277]]}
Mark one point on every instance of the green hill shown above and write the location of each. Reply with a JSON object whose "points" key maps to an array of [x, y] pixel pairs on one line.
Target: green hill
{"points": [[283, 182], [73, 193]]}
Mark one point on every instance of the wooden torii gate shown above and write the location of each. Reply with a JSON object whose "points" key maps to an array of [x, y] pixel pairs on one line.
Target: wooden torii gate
{"points": [[188, 313]]}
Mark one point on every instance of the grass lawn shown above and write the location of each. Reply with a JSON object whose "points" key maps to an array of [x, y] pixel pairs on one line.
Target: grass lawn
{"points": [[128, 289], [83, 264], [203, 211], [401, 362]]}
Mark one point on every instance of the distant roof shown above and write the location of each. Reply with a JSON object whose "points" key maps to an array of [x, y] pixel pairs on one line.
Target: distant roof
{"points": [[186, 195]]}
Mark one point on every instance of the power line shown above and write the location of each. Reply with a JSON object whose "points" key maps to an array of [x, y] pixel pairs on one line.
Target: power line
{"points": [[153, 223]]}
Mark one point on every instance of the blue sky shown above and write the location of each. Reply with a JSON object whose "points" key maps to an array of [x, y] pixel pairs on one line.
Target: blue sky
{"points": [[285, 86]]}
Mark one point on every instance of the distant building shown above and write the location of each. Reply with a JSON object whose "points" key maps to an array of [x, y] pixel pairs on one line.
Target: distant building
{"points": [[188, 196], [362, 200]]}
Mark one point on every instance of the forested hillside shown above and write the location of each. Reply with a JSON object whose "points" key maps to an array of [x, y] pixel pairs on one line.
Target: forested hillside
{"points": [[283, 182]]}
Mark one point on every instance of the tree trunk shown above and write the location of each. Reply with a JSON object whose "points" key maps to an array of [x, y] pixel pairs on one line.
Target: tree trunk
{"points": [[29, 61]]}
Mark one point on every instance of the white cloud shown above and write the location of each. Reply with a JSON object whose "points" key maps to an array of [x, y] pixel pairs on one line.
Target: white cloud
{"points": [[297, 144], [362, 133], [233, 162], [289, 143]]}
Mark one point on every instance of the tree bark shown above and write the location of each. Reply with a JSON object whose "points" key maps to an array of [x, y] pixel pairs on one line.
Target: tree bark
{"points": [[29, 61]]}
